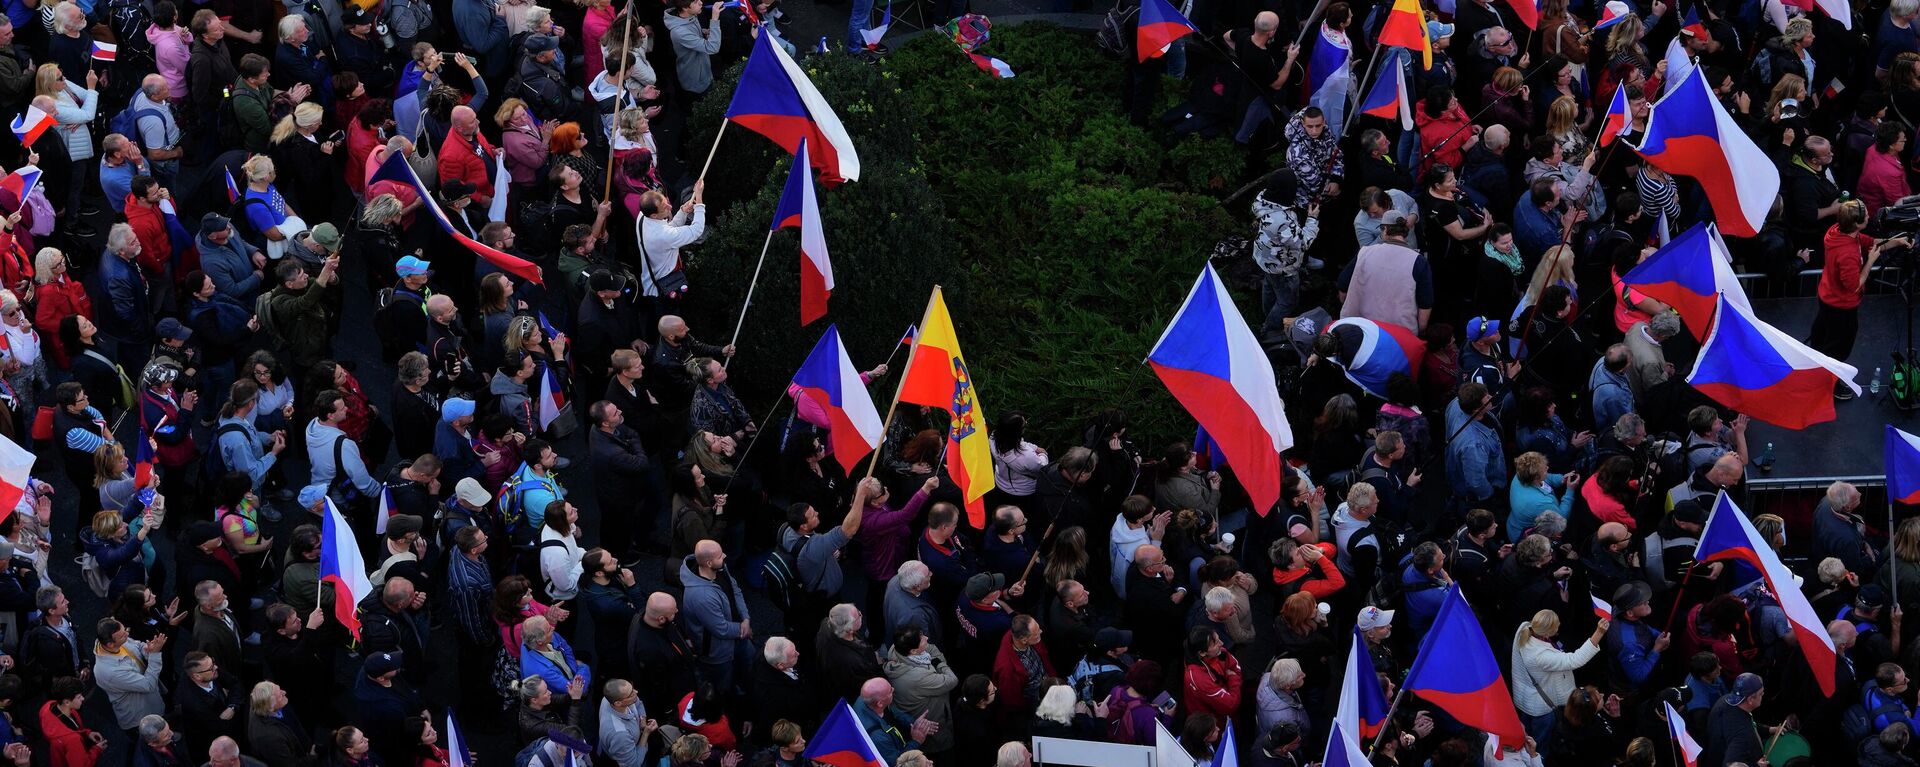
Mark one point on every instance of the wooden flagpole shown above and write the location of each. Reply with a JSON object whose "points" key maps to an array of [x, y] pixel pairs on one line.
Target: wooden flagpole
{"points": [[887, 423], [749, 302], [619, 95]]}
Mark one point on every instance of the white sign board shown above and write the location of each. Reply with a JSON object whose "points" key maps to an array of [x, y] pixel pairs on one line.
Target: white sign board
{"points": [[1089, 753]]}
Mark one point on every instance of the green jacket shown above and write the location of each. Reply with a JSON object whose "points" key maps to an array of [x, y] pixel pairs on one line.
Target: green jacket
{"points": [[251, 106], [300, 319]]}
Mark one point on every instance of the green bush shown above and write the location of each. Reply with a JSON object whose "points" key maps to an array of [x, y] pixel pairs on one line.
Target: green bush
{"points": [[1065, 237]]}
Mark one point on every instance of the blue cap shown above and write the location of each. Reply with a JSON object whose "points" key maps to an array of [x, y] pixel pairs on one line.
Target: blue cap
{"points": [[455, 409], [311, 495], [412, 266], [1437, 30]]}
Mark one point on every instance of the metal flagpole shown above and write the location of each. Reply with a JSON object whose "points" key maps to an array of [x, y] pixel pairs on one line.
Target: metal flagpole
{"points": [[751, 284], [619, 93]]}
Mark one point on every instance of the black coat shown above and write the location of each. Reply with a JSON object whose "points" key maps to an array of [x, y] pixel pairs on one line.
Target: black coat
{"points": [[619, 467], [1156, 619], [777, 696], [279, 740], [199, 710], [415, 416], [45, 655], [662, 661], [843, 665]]}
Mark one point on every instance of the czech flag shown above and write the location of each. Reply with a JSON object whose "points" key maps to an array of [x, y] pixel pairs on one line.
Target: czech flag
{"points": [[1330, 75], [991, 65], [1690, 274], [28, 127], [1754, 368], [1387, 99], [1160, 25], [1372, 351], [1342, 750], [104, 51], [21, 182], [799, 208], [1728, 536], [1466, 682], [872, 37], [16, 469], [1528, 12], [233, 189], [383, 510], [1227, 754], [397, 169], [1619, 121], [937, 376], [829, 379], [1613, 13], [1903, 466], [340, 563], [841, 741], [1677, 727], [143, 456], [552, 397], [912, 334], [1601, 608], [1690, 134], [1363, 705], [1406, 27], [775, 99], [1840, 10], [1214, 365], [456, 743]]}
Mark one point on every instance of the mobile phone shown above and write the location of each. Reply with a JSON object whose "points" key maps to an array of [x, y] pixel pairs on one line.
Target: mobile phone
{"points": [[1164, 702]]}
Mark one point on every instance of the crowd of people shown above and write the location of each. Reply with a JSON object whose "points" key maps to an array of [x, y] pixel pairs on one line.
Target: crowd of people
{"points": [[629, 578]]}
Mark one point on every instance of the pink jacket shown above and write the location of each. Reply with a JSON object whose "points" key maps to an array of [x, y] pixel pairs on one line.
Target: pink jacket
{"points": [[811, 411], [170, 53], [1882, 181]]}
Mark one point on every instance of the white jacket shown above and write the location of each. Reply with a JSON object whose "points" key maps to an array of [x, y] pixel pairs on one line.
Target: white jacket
{"points": [[1543, 676], [73, 113], [561, 564], [133, 692]]}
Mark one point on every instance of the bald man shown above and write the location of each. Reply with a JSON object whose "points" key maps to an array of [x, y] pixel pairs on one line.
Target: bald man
{"points": [[667, 373], [892, 733], [1612, 560], [466, 155], [1156, 606], [453, 370], [661, 653], [716, 615]]}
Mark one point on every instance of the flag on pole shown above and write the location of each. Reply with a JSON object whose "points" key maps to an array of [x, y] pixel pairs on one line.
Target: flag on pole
{"points": [[1330, 74], [1214, 365], [1167, 749], [1388, 98], [144, 459], [1363, 705], [1227, 753], [23, 180], [1754, 368], [396, 169], [775, 99], [341, 565], [104, 51], [1619, 121], [937, 376], [1528, 12], [28, 126], [552, 397], [497, 208], [1159, 26], [1406, 27], [1601, 608], [991, 65], [1690, 273], [233, 189], [1677, 727], [842, 742], [1466, 681], [1728, 536], [1903, 466], [1690, 134], [1613, 13], [383, 510], [829, 380], [912, 334], [456, 743], [16, 470], [799, 207]]}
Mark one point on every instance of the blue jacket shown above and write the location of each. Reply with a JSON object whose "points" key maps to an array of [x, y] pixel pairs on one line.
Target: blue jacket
{"points": [[457, 459], [712, 613], [1534, 230], [118, 560], [1423, 595], [891, 736], [1612, 397], [1525, 503], [1475, 463], [230, 266], [121, 307], [1630, 655], [1872, 698], [245, 451], [535, 664]]}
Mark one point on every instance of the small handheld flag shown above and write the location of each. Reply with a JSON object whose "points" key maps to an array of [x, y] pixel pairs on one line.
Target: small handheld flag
{"points": [[341, 565], [912, 334], [1362, 712], [1227, 754], [1619, 121], [1601, 608], [28, 126], [842, 742], [383, 510], [1677, 727], [552, 397], [1159, 26], [233, 190], [1903, 466], [105, 51], [395, 168], [456, 743], [23, 181]]}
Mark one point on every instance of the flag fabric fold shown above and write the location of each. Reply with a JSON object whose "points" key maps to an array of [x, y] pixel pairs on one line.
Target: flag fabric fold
{"points": [[1466, 681], [1677, 728], [1159, 26], [1690, 134], [1387, 99], [104, 51], [775, 99], [937, 376], [1227, 753], [233, 189], [1372, 351], [1214, 365], [991, 65], [1690, 274], [1363, 707], [1614, 12], [29, 125], [1406, 27], [553, 398], [1330, 74], [16, 474], [497, 208], [842, 742], [829, 380], [383, 510], [1754, 368], [397, 169], [1903, 466], [799, 207], [1618, 121], [1728, 536], [341, 566], [456, 743]]}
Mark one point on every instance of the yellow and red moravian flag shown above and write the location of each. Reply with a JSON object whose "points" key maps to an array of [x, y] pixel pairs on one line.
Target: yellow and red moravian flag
{"points": [[937, 377], [1406, 27]]}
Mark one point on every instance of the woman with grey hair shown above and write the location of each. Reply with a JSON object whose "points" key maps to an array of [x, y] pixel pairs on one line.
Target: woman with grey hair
{"points": [[23, 365], [1278, 696], [416, 411], [542, 713]]}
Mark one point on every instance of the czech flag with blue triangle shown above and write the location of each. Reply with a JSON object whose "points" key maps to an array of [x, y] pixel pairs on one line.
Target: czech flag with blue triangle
{"points": [[1160, 25], [1903, 466], [842, 742], [1690, 274], [1466, 682], [1754, 368], [775, 99]]}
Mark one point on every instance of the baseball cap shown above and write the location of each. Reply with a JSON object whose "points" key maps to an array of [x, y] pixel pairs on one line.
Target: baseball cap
{"points": [[1393, 216], [1111, 638], [1481, 327], [381, 664], [214, 223], [328, 236], [471, 493], [311, 495], [412, 266], [1744, 687], [1437, 30], [982, 584], [1871, 596], [1630, 595], [541, 43], [1373, 617], [456, 409], [171, 328]]}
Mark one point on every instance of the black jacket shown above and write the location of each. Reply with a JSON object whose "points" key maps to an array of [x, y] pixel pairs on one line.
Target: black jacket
{"points": [[777, 696], [46, 655], [662, 661], [200, 710], [279, 740], [619, 466]]}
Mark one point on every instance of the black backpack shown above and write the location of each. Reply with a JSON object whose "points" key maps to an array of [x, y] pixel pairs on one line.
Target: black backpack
{"points": [[782, 570], [213, 467], [389, 321], [1856, 723], [536, 575], [129, 20], [127, 122], [1116, 35]]}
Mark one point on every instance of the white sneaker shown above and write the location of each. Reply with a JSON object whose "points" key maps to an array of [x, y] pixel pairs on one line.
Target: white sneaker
{"points": [[1314, 264]]}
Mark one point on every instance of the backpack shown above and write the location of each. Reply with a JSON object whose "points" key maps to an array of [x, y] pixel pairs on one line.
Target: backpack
{"points": [[390, 318], [243, 225], [97, 581], [1673, 463], [341, 481], [1114, 37], [1857, 722], [213, 467], [782, 571], [269, 330], [129, 20], [513, 513], [1120, 719], [127, 122], [537, 575]]}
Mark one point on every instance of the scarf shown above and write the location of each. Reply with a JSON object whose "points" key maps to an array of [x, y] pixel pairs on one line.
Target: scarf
{"points": [[138, 659], [1510, 260]]}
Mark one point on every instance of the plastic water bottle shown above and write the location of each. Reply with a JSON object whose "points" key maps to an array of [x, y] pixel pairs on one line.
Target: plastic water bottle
{"points": [[1766, 458], [1874, 385]]}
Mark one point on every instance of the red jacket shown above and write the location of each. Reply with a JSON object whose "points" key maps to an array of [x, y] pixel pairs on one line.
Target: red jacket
{"points": [[52, 302], [458, 160], [1443, 138], [1882, 181], [1213, 686], [67, 747], [156, 249], [1011, 677]]}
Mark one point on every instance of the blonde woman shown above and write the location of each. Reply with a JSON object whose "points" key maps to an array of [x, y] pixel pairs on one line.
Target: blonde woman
{"points": [[296, 146], [1555, 268], [1791, 89], [270, 219], [57, 295], [1542, 672], [1564, 129]]}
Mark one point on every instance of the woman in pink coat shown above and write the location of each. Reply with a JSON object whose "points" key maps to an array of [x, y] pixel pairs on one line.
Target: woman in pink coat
{"points": [[1883, 180]]}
